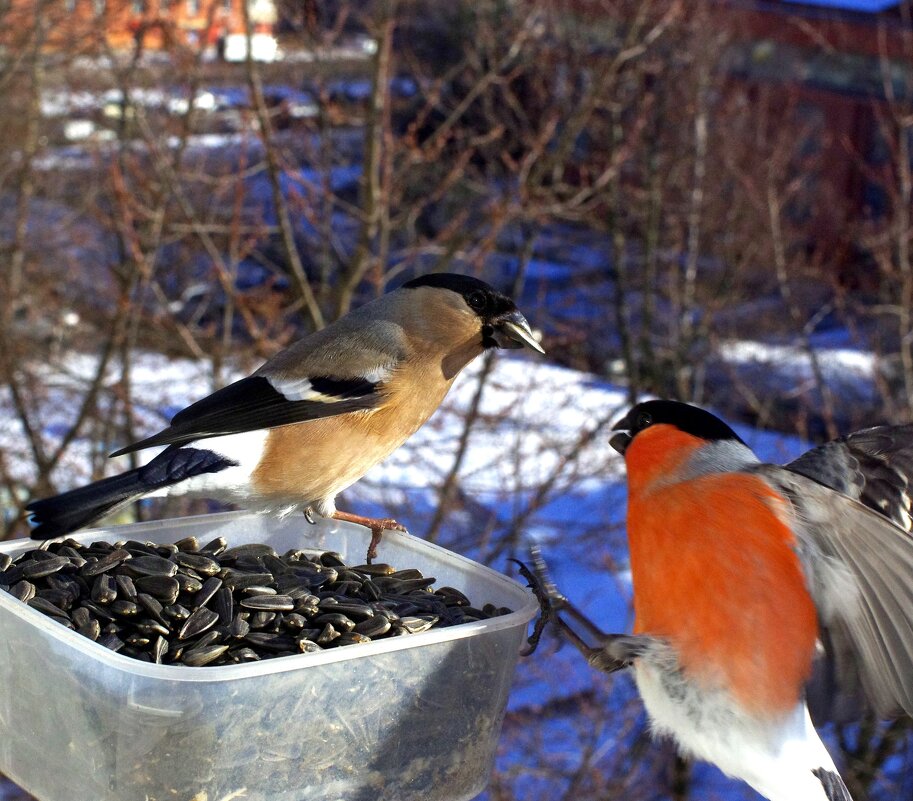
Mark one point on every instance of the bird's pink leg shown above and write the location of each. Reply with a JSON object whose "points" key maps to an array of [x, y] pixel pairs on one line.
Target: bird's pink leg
{"points": [[378, 526]]}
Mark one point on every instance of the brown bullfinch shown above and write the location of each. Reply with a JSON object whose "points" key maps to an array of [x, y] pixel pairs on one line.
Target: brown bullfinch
{"points": [[318, 415], [745, 575]]}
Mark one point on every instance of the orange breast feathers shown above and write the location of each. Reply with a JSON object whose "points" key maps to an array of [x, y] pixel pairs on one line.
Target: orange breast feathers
{"points": [[715, 573]]}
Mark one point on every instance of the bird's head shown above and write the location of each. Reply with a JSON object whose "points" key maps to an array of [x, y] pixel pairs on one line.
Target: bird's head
{"points": [[478, 306], [661, 438], [664, 416]]}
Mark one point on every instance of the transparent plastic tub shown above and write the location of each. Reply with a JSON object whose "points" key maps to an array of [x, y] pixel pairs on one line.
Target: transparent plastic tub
{"points": [[413, 717]]}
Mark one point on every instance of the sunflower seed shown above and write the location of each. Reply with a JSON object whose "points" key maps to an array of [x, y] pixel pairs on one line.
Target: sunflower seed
{"points": [[308, 646], [125, 587], [331, 559], [60, 598], [104, 589], [23, 590], [379, 569], [326, 636], [203, 565], [249, 550], [190, 585], [239, 627], [338, 621], [176, 612], [150, 627], [211, 637], [45, 606], [243, 655], [197, 657], [246, 603], [188, 545], [106, 563], [237, 580], [125, 608], [165, 588], [452, 597], [91, 629], [373, 626], [80, 616], [150, 565], [198, 622], [214, 548], [39, 568], [415, 625], [224, 604], [205, 593], [349, 638], [294, 622], [270, 603], [259, 590], [152, 605], [159, 649], [261, 619]]}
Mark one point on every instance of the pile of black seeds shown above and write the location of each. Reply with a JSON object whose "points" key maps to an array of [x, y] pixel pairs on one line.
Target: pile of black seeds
{"points": [[214, 605]]}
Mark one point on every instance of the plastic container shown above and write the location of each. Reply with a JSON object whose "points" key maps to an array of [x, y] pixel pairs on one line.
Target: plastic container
{"points": [[413, 717]]}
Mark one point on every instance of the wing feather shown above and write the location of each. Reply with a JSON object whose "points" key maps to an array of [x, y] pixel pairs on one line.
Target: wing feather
{"points": [[874, 466], [860, 571], [257, 402]]}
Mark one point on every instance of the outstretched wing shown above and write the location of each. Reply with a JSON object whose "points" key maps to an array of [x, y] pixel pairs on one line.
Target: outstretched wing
{"points": [[859, 567], [264, 402], [874, 466]]}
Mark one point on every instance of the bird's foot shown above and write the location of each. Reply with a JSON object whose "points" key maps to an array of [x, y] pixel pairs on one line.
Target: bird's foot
{"points": [[537, 582], [378, 526], [614, 652], [309, 516], [617, 652]]}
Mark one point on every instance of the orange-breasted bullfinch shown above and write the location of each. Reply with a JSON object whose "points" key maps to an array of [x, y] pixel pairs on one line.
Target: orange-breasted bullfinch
{"points": [[745, 575], [316, 416]]}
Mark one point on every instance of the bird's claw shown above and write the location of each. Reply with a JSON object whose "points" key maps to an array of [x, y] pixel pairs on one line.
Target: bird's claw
{"points": [[535, 583], [617, 652], [309, 516], [378, 527]]}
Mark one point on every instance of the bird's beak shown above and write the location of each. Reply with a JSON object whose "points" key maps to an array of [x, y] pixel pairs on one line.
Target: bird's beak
{"points": [[622, 439], [513, 331]]}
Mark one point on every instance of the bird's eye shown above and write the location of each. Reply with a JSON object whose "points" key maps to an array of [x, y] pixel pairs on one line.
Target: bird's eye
{"points": [[476, 300], [644, 420]]}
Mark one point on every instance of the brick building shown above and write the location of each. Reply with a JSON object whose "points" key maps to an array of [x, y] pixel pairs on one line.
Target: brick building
{"points": [[94, 25]]}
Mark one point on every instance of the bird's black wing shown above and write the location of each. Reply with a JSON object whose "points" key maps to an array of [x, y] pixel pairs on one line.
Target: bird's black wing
{"points": [[859, 568], [873, 466], [260, 402]]}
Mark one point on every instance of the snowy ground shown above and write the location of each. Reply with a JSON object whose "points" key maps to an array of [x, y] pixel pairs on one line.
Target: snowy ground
{"points": [[538, 423]]}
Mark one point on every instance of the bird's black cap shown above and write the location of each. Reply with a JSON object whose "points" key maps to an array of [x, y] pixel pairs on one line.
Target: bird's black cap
{"points": [[482, 298], [502, 324], [690, 419]]}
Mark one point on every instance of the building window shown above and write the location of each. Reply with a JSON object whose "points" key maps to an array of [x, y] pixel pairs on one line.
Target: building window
{"points": [[99, 6], [193, 7], [138, 6], [228, 4]]}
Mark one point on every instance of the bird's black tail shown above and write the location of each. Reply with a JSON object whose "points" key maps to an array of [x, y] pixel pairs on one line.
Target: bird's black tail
{"points": [[833, 785], [69, 511], [61, 514]]}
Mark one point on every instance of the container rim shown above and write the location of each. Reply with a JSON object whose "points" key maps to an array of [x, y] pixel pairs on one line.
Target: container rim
{"points": [[519, 617]]}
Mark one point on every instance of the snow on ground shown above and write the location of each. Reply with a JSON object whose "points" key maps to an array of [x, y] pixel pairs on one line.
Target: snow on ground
{"points": [[793, 358]]}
